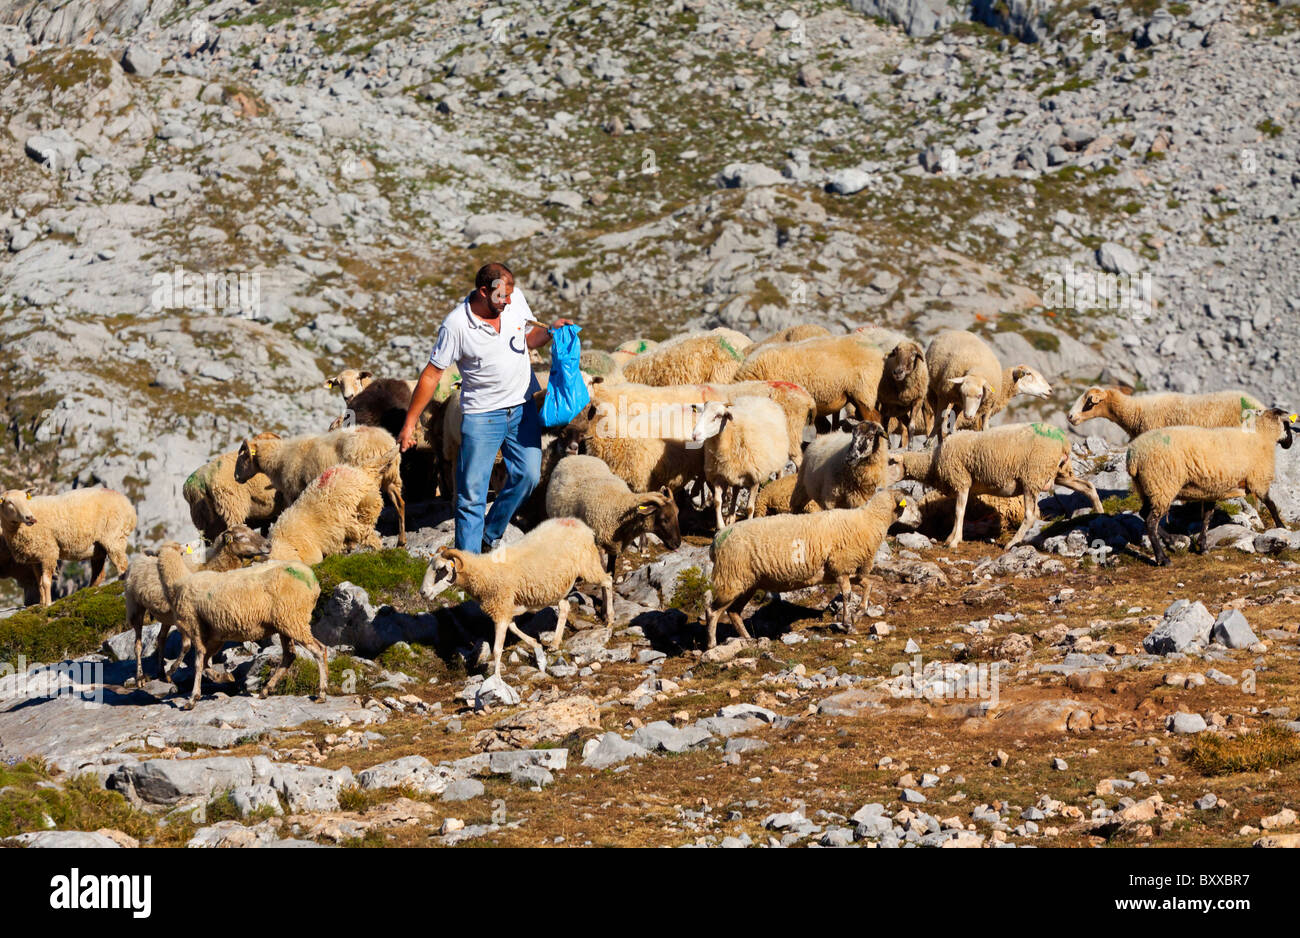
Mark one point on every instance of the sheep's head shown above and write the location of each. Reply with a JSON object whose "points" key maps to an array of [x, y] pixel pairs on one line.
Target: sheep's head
{"points": [[902, 361], [904, 507], [1027, 380], [13, 507], [350, 382], [243, 542], [712, 419], [974, 392], [246, 464], [1091, 403], [657, 513], [1286, 424], [442, 573], [867, 435]]}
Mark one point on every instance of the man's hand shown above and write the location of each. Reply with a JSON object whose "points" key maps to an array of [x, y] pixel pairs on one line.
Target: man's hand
{"points": [[420, 398], [406, 439], [539, 335], [561, 322]]}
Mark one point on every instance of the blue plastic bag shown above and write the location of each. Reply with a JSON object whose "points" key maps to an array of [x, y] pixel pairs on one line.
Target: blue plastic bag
{"points": [[566, 394]]}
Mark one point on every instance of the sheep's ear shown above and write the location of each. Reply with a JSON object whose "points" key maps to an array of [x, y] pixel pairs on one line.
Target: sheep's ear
{"points": [[331, 384], [646, 508], [666, 492], [1124, 389], [364, 375], [957, 380]]}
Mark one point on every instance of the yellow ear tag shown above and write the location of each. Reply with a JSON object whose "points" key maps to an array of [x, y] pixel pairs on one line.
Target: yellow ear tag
{"points": [[189, 548], [252, 451], [645, 509], [1295, 417], [902, 503], [29, 496]]}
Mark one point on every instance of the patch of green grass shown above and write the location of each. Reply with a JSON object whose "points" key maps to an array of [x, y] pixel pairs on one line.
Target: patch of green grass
{"points": [[29, 795], [1117, 504], [1270, 747], [303, 677], [1270, 127], [72, 626], [389, 576], [692, 585]]}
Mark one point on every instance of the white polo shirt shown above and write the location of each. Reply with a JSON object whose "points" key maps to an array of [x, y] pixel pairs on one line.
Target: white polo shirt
{"points": [[494, 367]]}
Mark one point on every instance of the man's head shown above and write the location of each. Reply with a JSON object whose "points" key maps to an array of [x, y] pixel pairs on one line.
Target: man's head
{"points": [[495, 283]]}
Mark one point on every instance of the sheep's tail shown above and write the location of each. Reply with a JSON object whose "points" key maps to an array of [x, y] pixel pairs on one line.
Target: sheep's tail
{"points": [[379, 465]]}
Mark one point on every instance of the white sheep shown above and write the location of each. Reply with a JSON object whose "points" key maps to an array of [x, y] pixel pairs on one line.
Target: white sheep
{"points": [[350, 382], [788, 552], [966, 376], [337, 512], [217, 501], [534, 572], [843, 470], [294, 463], [795, 333], [249, 604], [1207, 464], [689, 359], [583, 487], [745, 443], [144, 595], [1135, 414], [835, 370], [83, 524], [630, 349], [1022, 459]]}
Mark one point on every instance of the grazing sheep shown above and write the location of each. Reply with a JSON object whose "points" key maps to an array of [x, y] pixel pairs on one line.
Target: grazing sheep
{"points": [[28, 577], [536, 571], [776, 497], [294, 463], [843, 470], [904, 387], [966, 376], [787, 552], [583, 487], [349, 382], [1136, 414], [217, 501], [1207, 464], [245, 605], [144, 592], [691, 359], [836, 370], [1022, 459], [83, 524], [335, 513], [795, 333], [744, 444], [383, 403]]}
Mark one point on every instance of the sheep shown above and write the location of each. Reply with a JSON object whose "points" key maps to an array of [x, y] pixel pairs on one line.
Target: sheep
{"points": [[836, 371], [883, 339], [249, 604], [28, 577], [691, 359], [350, 382], [787, 552], [776, 497], [904, 387], [1207, 464], [628, 350], [383, 403], [843, 470], [293, 463], [82, 524], [1022, 459], [536, 571], [966, 376], [645, 451], [217, 501], [795, 333], [744, 444], [336, 512], [798, 405], [583, 487], [1136, 414], [987, 516], [144, 593]]}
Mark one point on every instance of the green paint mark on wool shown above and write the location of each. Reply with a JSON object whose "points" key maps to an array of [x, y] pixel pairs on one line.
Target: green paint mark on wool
{"points": [[731, 350], [301, 573], [721, 537], [641, 346], [198, 479], [1049, 431]]}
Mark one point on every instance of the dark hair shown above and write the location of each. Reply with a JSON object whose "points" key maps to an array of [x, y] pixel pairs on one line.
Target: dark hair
{"points": [[489, 274]]}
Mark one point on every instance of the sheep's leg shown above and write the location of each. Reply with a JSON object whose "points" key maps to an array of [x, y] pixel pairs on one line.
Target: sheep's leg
{"points": [[538, 651], [47, 585], [287, 655], [753, 500], [1083, 487], [97, 558], [735, 612], [563, 606], [1031, 515], [498, 645], [959, 519], [1271, 505], [321, 654], [200, 660], [1153, 534], [394, 492], [711, 617], [164, 629], [846, 600], [866, 590], [717, 504], [117, 555], [1207, 511]]}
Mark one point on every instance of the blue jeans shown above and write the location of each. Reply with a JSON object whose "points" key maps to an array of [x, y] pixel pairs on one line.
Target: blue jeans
{"points": [[517, 433]]}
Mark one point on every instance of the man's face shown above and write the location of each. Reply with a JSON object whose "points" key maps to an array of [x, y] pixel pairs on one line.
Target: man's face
{"points": [[498, 296]]}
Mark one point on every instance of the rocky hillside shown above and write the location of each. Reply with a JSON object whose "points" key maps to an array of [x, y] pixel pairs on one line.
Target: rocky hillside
{"points": [[208, 207]]}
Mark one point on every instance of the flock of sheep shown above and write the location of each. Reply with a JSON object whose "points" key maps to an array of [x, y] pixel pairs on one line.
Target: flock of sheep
{"points": [[671, 426]]}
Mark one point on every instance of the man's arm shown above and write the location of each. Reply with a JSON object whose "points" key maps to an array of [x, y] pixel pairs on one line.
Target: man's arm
{"points": [[540, 335], [420, 398]]}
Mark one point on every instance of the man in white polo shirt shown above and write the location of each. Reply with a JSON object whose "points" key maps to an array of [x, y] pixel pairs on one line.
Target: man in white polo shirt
{"points": [[487, 337]]}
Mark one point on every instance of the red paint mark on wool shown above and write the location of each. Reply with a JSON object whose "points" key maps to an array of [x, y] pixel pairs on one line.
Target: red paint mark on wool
{"points": [[790, 385], [328, 474]]}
